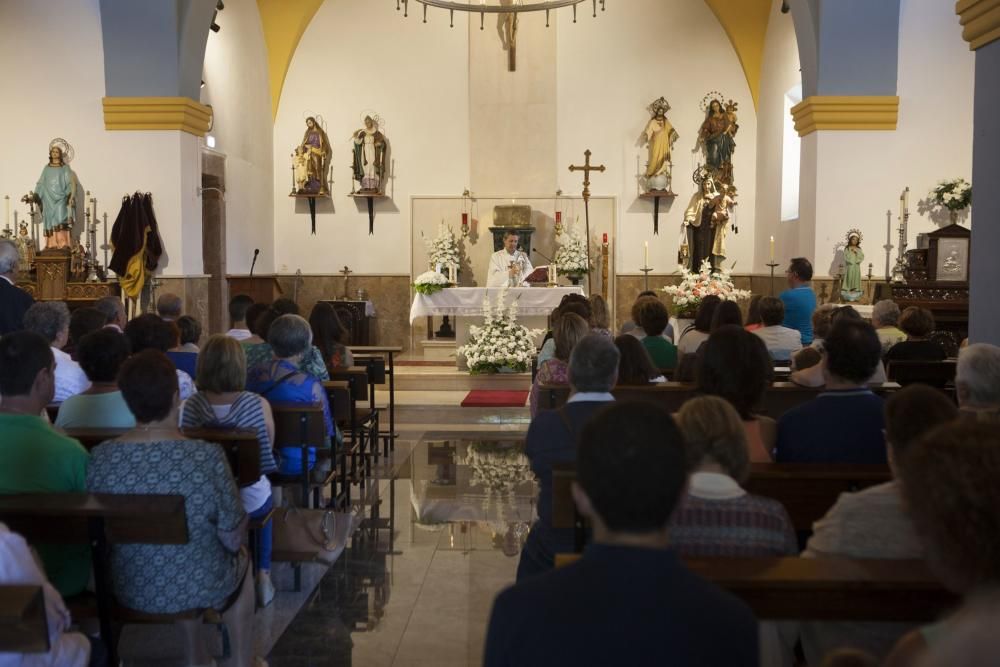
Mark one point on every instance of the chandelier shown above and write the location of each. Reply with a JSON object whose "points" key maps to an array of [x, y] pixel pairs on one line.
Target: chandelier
{"points": [[484, 7]]}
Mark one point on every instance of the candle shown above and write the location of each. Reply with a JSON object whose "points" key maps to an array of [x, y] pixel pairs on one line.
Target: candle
{"points": [[772, 250], [605, 240], [437, 268], [906, 199], [555, 273], [6, 202], [645, 254]]}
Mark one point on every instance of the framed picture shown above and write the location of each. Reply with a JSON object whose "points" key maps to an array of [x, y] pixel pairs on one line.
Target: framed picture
{"points": [[952, 263]]}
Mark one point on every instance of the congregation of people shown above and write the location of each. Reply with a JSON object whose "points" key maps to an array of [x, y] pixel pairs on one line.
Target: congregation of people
{"points": [[655, 488], [153, 378]]}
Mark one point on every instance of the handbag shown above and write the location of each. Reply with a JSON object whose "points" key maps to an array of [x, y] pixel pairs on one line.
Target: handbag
{"points": [[306, 534]]}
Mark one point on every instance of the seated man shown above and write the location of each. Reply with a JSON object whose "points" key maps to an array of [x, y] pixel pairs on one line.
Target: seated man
{"points": [[799, 299], [874, 524], [169, 307], [509, 266], [629, 600], [114, 312], [552, 438], [781, 341], [844, 423], [238, 306], [50, 319], [34, 458], [977, 381]]}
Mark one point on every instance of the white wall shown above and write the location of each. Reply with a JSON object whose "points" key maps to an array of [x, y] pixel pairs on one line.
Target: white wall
{"points": [[51, 63], [357, 57], [610, 69], [861, 174], [236, 85], [779, 73]]}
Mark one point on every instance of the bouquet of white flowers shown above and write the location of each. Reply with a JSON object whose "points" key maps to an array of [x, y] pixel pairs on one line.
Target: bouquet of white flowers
{"points": [[694, 287], [954, 195], [443, 250], [501, 341], [497, 468], [571, 256], [430, 282]]}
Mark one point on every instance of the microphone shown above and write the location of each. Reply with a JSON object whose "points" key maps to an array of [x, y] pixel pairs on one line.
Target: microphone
{"points": [[256, 251]]}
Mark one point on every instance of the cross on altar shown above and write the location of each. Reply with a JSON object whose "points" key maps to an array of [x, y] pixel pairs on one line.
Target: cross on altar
{"points": [[347, 272], [586, 169]]}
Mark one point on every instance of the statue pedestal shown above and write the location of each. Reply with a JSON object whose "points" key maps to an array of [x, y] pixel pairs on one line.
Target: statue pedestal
{"points": [[52, 270]]}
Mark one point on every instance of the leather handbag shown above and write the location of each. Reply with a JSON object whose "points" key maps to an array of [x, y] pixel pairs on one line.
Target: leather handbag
{"points": [[305, 534]]}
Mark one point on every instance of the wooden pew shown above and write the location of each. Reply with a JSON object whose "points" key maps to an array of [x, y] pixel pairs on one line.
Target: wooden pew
{"points": [[100, 520], [24, 627], [383, 353], [826, 589], [779, 398], [934, 373], [302, 425], [807, 490]]}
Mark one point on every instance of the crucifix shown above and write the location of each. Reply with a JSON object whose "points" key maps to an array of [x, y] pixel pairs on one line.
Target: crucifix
{"points": [[346, 271], [586, 169], [507, 29]]}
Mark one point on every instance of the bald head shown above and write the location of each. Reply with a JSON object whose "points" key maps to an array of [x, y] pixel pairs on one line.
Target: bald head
{"points": [[169, 306]]}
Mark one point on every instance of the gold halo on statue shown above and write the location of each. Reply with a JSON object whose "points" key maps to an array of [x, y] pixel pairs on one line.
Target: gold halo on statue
{"points": [[658, 106], [371, 113], [712, 96], [700, 174], [855, 232], [67, 149]]}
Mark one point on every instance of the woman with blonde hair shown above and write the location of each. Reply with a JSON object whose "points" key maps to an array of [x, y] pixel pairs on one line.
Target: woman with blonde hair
{"points": [[570, 329], [600, 319], [717, 517]]}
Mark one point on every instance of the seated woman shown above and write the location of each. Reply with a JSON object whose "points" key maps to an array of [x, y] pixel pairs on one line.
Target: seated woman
{"points": [[102, 405], [653, 318], [753, 313], [716, 517], [600, 321], [221, 402], [282, 381], [571, 303], [328, 335], [150, 332], [632, 327], [570, 329], [254, 311], [735, 365], [917, 323], [696, 334], [212, 570], [261, 353], [635, 368], [185, 355]]}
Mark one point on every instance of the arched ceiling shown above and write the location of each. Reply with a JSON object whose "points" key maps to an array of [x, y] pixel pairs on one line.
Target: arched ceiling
{"points": [[284, 22]]}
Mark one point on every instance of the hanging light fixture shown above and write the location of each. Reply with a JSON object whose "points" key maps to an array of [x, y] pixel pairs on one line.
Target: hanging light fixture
{"points": [[484, 7]]}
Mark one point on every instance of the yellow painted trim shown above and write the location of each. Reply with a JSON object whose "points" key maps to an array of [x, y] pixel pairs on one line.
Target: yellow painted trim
{"points": [[745, 23], [980, 21], [845, 113], [283, 23], [157, 113]]}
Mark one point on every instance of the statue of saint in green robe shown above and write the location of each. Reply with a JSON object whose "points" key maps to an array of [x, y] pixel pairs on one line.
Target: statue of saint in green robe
{"points": [[56, 193]]}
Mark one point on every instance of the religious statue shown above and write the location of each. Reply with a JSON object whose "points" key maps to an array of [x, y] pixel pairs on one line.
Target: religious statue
{"points": [[707, 223], [717, 135], [25, 248], [659, 138], [507, 29], [850, 289], [56, 195], [311, 160], [369, 156]]}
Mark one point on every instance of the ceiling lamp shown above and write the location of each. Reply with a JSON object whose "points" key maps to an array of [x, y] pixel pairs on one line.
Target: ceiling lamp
{"points": [[484, 7]]}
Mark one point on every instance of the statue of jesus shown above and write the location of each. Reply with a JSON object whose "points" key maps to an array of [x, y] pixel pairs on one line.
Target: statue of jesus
{"points": [[56, 196]]}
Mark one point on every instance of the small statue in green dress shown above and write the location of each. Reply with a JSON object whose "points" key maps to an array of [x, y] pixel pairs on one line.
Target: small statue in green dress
{"points": [[851, 290]]}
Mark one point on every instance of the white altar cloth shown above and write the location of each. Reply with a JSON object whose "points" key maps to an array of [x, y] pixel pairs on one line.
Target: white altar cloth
{"points": [[468, 301]]}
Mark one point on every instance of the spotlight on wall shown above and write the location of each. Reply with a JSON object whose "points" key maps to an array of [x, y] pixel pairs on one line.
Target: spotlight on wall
{"points": [[784, 7], [210, 141], [219, 6]]}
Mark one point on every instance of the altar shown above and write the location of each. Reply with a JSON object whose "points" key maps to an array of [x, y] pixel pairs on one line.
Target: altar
{"points": [[465, 304]]}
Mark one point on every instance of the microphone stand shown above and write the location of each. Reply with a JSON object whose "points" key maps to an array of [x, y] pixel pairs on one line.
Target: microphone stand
{"points": [[254, 262]]}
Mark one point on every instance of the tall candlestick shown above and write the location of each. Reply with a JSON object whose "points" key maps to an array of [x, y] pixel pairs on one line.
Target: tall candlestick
{"points": [[772, 249], [645, 254], [6, 202]]}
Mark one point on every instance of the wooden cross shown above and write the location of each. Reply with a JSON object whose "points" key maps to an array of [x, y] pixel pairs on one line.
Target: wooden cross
{"points": [[346, 271], [586, 169]]}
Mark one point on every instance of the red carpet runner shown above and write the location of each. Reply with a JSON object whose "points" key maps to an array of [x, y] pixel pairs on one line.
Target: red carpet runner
{"points": [[495, 398]]}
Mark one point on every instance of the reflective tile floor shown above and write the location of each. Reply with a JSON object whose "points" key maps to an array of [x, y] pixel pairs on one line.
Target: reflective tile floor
{"points": [[463, 505]]}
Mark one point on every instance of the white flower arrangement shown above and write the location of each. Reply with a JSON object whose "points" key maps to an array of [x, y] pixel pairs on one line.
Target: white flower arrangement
{"points": [[443, 250], [430, 282], [501, 341], [694, 287], [497, 469], [954, 195], [571, 256]]}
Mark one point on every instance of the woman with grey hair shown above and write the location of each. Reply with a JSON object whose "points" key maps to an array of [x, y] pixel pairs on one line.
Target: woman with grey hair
{"points": [[50, 319], [885, 319], [977, 381], [281, 381]]}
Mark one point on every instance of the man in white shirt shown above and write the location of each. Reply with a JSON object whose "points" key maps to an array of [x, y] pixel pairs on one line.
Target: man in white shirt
{"points": [[114, 311], [238, 306], [782, 342], [509, 266], [50, 319]]}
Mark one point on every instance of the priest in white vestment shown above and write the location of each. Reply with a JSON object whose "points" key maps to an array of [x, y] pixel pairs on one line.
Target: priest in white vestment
{"points": [[509, 266]]}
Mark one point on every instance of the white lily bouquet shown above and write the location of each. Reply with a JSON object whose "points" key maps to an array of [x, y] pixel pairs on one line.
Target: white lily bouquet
{"points": [[571, 256], [694, 287], [501, 342], [430, 282], [443, 249], [496, 468], [954, 195]]}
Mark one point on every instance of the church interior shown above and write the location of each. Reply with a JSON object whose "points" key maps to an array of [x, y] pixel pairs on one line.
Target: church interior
{"points": [[457, 187]]}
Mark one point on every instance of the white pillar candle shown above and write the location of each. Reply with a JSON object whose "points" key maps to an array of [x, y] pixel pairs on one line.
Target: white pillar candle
{"points": [[772, 250], [645, 254]]}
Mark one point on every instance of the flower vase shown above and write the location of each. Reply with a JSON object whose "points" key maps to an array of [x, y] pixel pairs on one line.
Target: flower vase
{"points": [[506, 369], [954, 216], [575, 278]]}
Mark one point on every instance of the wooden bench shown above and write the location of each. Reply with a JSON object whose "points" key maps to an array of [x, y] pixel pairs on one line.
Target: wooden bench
{"points": [[24, 628], [779, 398], [99, 520], [934, 373], [826, 589], [806, 490], [383, 353], [301, 426]]}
